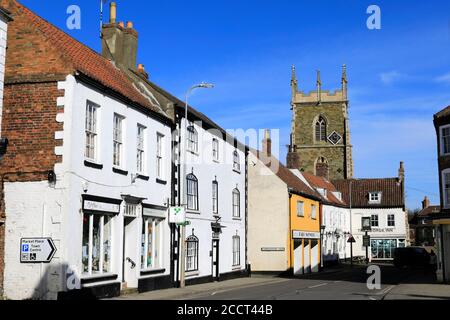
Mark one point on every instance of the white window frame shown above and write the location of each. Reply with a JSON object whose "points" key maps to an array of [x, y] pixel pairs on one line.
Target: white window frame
{"points": [[442, 140], [236, 203], [91, 131], [215, 197], [192, 139], [215, 149], [192, 260], [375, 197], [157, 227], [372, 220], [446, 191], [90, 271], [313, 212], [300, 209], [160, 156], [192, 196], [118, 139], [236, 161], [389, 220], [140, 149], [236, 251]]}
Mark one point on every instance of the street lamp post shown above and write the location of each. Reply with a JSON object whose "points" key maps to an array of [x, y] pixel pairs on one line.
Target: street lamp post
{"points": [[322, 231], [182, 254]]}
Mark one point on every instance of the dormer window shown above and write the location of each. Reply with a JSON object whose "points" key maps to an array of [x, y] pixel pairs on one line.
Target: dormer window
{"points": [[375, 197], [338, 195], [322, 191]]}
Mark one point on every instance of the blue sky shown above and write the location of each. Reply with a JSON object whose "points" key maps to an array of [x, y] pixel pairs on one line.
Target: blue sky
{"points": [[399, 76]]}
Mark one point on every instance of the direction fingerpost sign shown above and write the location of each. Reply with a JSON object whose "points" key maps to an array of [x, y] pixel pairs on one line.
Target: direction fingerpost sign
{"points": [[37, 250]]}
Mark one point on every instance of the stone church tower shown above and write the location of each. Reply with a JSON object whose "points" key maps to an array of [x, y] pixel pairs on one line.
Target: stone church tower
{"points": [[320, 138]]}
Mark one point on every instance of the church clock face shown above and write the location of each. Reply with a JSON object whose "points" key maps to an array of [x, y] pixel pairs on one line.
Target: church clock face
{"points": [[334, 138]]}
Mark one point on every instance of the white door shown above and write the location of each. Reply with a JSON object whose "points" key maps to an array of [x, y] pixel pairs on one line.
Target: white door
{"points": [[314, 256], [298, 259], [131, 256], [307, 256]]}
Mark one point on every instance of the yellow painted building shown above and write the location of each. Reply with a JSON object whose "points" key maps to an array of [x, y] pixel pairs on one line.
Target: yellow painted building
{"points": [[304, 237]]}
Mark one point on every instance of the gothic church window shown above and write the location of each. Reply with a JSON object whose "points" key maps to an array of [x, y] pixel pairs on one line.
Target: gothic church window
{"points": [[321, 130]]}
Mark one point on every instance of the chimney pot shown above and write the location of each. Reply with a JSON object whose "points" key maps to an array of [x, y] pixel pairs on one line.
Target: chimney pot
{"points": [[112, 13], [141, 67], [267, 144], [122, 24], [425, 203], [129, 25]]}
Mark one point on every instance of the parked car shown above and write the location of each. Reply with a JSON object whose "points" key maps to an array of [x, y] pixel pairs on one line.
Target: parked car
{"points": [[411, 257]]}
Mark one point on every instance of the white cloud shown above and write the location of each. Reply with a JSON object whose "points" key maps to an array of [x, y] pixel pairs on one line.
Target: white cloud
{"points": [[391, 77], [444, 78]]}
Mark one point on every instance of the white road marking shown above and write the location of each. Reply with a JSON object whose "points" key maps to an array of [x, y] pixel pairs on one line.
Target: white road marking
{"points": [[318, 286]]}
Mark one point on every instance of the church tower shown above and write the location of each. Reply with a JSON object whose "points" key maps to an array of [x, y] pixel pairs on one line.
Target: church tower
{"points": [[320, 138]]}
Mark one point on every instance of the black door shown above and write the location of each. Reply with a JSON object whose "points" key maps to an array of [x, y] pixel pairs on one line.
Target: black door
{"points": [[215, 260]]}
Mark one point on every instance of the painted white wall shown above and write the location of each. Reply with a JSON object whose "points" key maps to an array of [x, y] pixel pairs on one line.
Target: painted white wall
{"points": [[336, 219], [207, 170], [3, 44], [383, 232], [62, 205], [268, 218]]}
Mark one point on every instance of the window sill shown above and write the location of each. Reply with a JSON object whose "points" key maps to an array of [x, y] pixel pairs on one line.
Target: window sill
{"points": [[89, 279], [120, 171], [193, 212], [160, 181], [143, 177], [150, 272], [237, 218], [195, 153], [93, 164], [236, 268], [192, 274]]}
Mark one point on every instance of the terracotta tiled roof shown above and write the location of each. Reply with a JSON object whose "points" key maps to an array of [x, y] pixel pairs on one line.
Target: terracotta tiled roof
{"points": [[291, 180], [443, 113], [322, 183], [391, 189], [429, 211], [85, 60]]}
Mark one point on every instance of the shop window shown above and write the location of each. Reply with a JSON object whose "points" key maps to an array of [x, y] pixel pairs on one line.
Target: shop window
{"points": [[96, 246], [192, 245], [152, 235]]}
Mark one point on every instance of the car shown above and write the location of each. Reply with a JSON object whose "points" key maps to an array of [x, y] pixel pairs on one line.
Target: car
{"points": [[411, 257]]}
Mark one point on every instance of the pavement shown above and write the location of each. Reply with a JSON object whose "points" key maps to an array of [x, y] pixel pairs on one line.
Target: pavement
{"points": [[338, 283]]}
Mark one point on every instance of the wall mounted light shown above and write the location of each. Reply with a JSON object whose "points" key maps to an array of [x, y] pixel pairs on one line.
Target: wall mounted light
{"points": [[52, 177]]}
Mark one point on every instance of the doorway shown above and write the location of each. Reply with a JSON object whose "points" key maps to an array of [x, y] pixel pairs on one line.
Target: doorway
{"points": [[130, 263], [215, 260], [307, 256], [298, 257], [314, 256]]}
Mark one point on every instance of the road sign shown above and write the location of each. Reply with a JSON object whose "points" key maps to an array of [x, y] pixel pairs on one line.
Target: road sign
{"points": [[351, 240], [366, 241], [37, 250], [177, 215]]}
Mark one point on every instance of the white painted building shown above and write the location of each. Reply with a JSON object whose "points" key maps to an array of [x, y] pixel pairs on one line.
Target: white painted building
{"points": [[383, 201], [215, 192], [335, 218], [105, 204]]}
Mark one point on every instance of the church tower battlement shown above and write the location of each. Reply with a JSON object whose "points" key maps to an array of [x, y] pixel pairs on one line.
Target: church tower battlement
{"points": [[320, 136]]}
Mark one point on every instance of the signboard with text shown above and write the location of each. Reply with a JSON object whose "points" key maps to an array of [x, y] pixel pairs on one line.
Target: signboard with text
{"points": [[37, 250], [305, 235]]}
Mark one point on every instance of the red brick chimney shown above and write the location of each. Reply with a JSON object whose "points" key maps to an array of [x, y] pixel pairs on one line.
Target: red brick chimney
{"points": [[425, 203]]}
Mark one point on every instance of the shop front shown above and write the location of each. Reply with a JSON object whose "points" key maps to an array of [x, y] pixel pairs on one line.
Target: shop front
{"points": [[383, 249], [306, 252]]}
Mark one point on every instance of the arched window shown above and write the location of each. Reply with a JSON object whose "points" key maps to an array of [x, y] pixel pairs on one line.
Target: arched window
{"points": [[215, 197], [192, 139], [236, 161], [322, 167], [192, 192], [236, 203], [192, 253], [321, 129]]}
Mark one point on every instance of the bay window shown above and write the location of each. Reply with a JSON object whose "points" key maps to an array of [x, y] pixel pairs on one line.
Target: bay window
{"points": [[97, 244]]}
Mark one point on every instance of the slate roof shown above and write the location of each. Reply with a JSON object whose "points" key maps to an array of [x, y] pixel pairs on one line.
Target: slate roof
{"points": [[391, 188], [443, 113], [83, 59], [323, 183], [291, 180]]}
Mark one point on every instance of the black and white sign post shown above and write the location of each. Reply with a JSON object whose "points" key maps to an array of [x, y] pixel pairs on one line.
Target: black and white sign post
{"points": [[37, 250], [366, 227]]}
